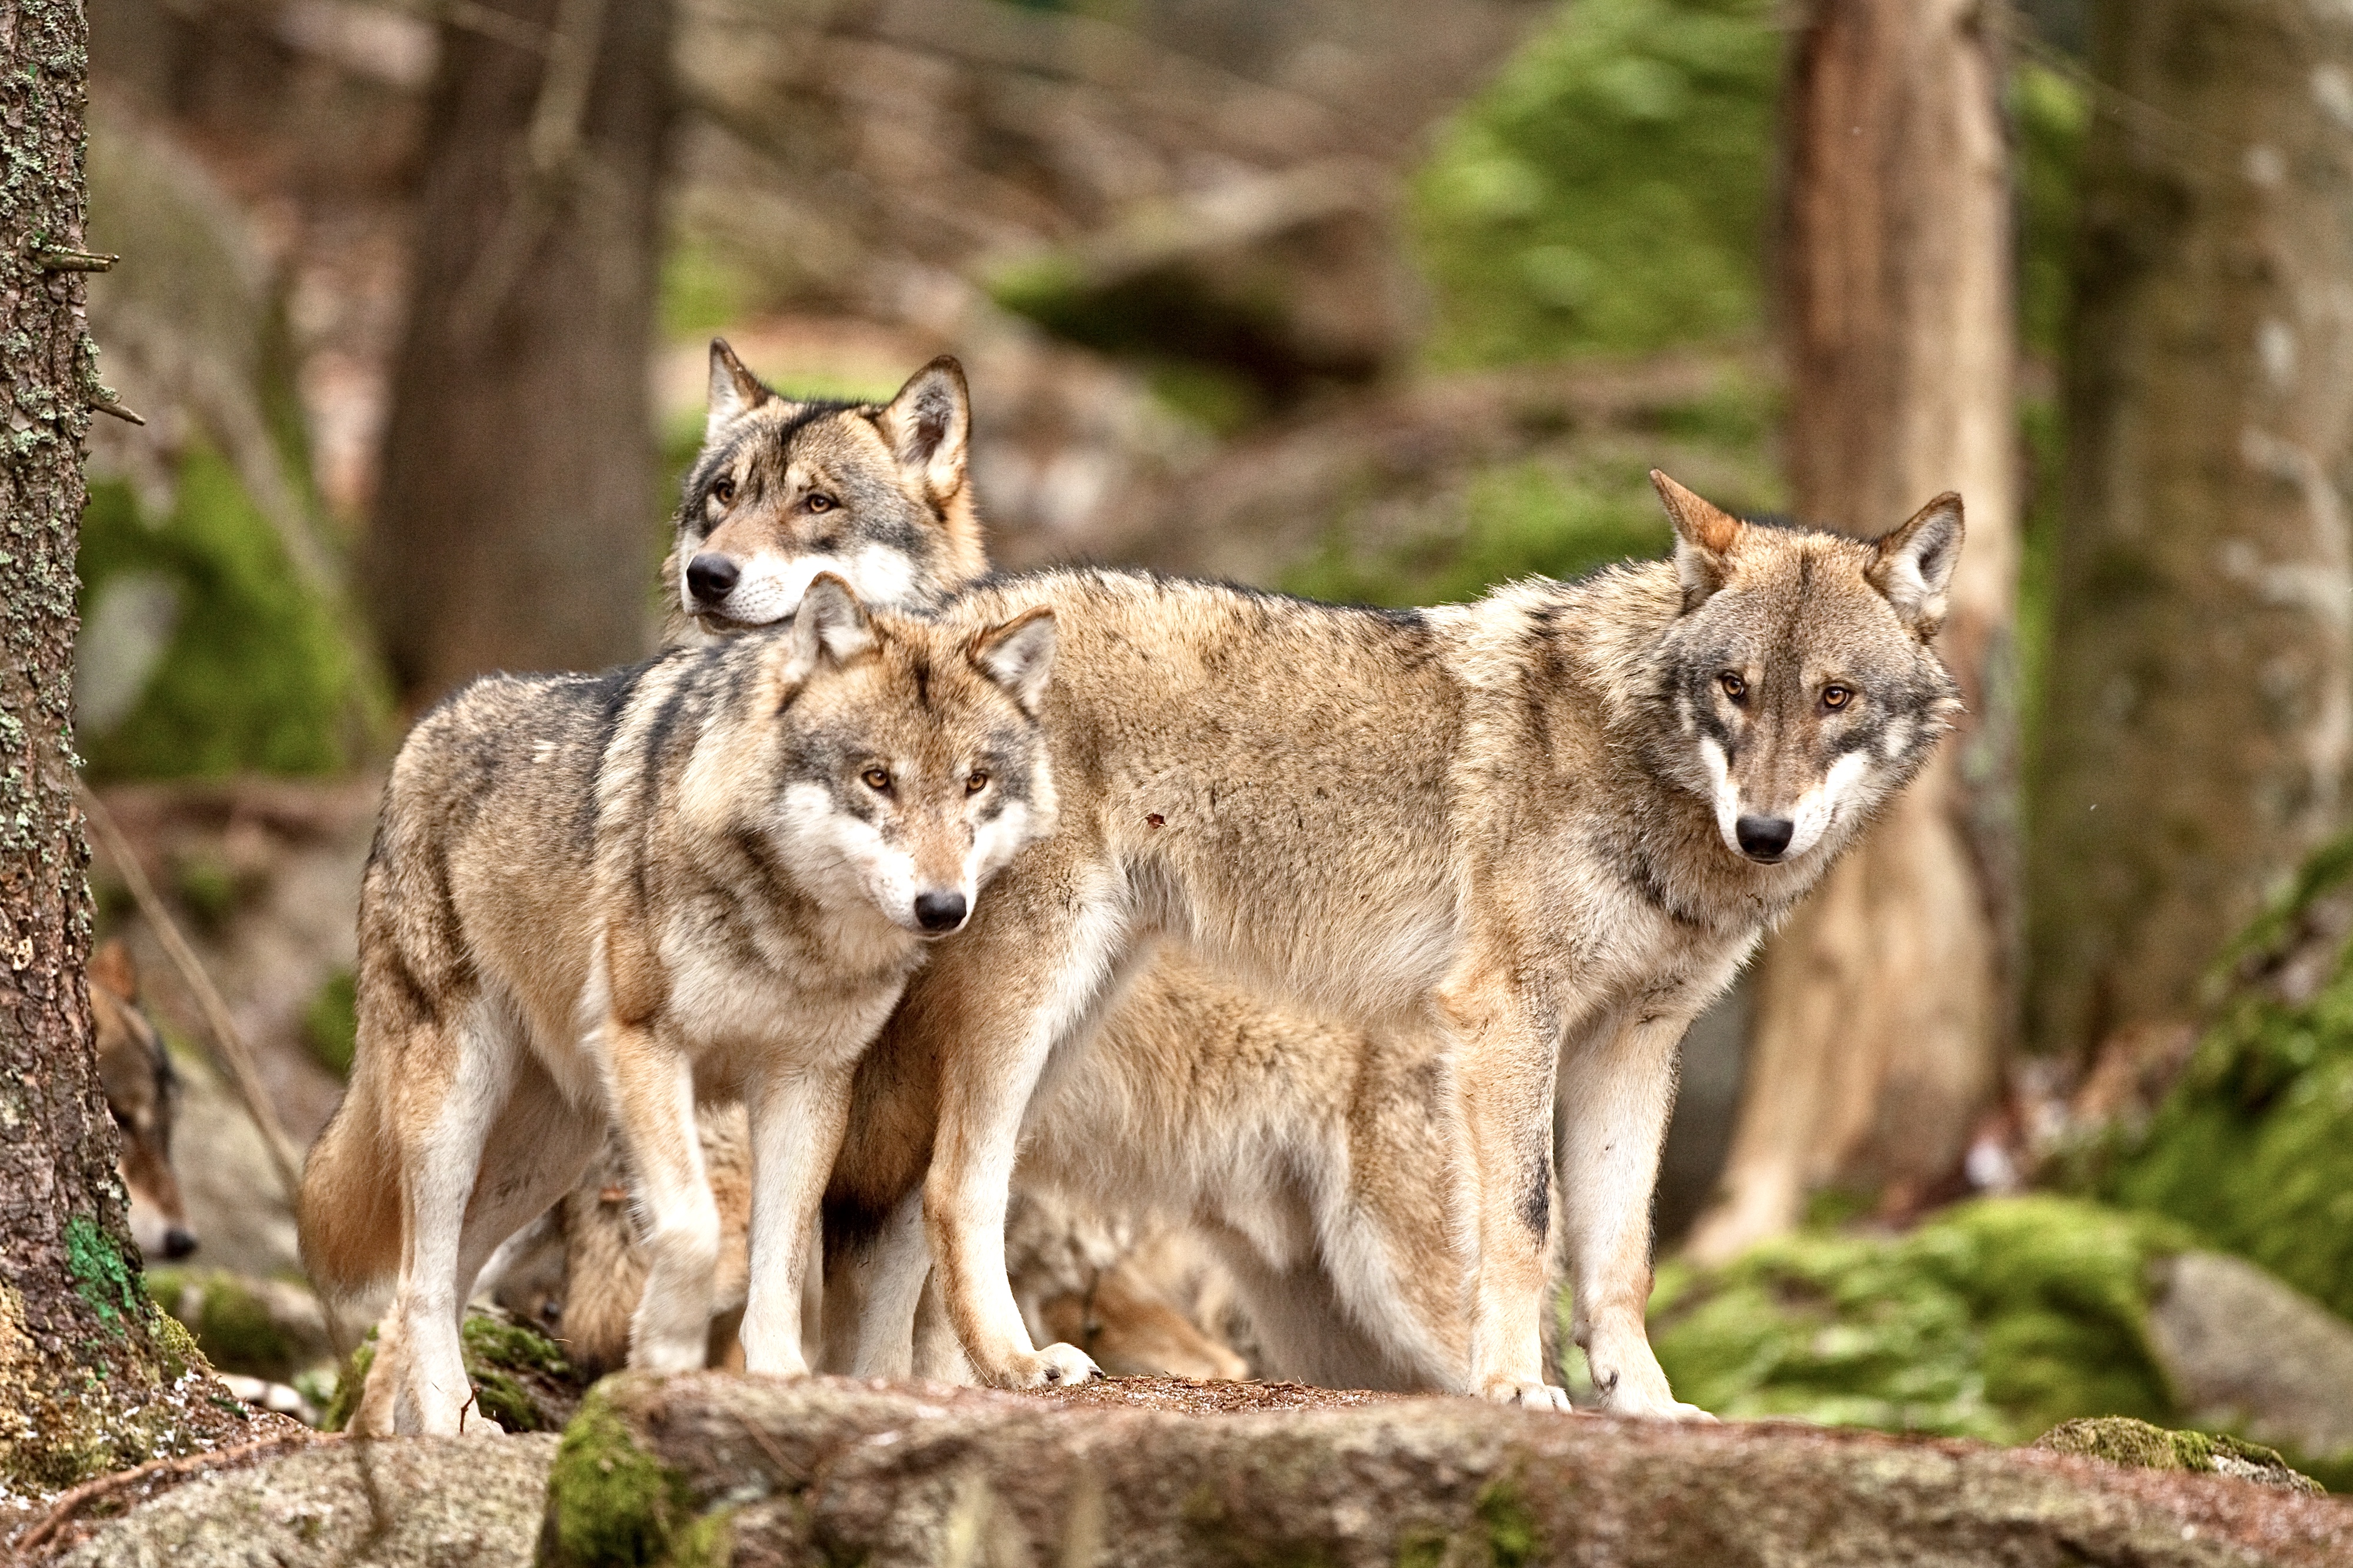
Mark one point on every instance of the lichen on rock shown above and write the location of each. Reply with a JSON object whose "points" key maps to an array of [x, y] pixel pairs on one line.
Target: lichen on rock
{"points": [[2121, 1440]]}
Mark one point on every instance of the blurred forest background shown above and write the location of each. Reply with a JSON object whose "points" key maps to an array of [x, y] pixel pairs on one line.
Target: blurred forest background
{"points": [[1368, 300]]}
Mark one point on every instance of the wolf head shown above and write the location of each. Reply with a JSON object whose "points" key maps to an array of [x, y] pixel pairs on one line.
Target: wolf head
{"points": [[910, 753], [783, 489], [1800, 673], [143, 1094]]}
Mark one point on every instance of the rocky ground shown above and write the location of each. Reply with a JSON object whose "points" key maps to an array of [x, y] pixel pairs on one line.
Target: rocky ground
{"points": [[716, 1467]]}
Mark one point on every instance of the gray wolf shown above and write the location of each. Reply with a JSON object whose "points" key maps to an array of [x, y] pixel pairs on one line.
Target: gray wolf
{"points": [[593, 898], [786, 488], [143, 1094], [1537, 833]]}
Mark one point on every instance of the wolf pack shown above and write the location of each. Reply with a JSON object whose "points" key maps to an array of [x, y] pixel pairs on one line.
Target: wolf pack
{"points": [[895, 893]]}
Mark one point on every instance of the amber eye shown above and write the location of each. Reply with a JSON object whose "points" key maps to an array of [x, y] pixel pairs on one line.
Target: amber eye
{"points": [[1733, 687], [822, 503], [977, 781], [1837, 696], [877, 778], [723, 489]]}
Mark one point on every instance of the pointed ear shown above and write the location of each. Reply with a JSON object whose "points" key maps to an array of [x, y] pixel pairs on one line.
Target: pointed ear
{"points": [[111, 968], [1914, 565], [1705, 537], [1019, 654], [929, 424], [830, 627], [735, 390]]}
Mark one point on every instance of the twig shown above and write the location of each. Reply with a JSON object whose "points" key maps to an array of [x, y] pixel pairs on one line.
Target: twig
{"points": [[65, 259], [120, 411]]}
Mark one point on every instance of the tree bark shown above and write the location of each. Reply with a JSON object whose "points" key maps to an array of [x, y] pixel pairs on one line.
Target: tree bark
{"points": [[89, 1379], [2200, 676], [515, 528], [1879, 1009]]}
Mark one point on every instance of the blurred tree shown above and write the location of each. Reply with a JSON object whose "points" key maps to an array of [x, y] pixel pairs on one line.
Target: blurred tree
{"points": [[1879, 1008], [513, 526], [2203, 606], [86, 1371]]}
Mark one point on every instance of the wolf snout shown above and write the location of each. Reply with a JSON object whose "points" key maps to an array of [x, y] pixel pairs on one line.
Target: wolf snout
{"points": [[711, 577], [1764, 837], [178, 1243], [939, 912]]}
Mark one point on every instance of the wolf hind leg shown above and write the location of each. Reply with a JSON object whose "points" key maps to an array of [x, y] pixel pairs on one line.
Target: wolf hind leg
{"points": [[453, 1110], [534, 1156], [651, 1087], [870, 1295], [797, 1119]]}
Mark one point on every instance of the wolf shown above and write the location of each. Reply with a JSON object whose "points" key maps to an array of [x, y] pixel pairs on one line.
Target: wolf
{"points": [[1536, 834], [592, 897], [143, 1092]]}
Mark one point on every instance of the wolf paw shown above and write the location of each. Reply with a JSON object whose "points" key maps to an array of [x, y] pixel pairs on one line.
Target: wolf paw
{"points": [[1056, 1366], [1529, 1395]]}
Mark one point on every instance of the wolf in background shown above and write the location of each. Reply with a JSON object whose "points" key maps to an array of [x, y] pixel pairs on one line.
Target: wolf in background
{"points": [[592, 897], [143, 1092], [1543, 829]]}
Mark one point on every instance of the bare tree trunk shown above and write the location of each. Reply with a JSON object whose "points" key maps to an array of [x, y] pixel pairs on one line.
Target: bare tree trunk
{"points": [[2201, 673], [85, 1364], [1880, 1008], [515, 527]]}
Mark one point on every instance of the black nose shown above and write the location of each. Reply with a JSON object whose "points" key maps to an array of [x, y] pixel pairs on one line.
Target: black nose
{"points": [[939, 911], [1764, 837], [710, 578], [178, 1243]]}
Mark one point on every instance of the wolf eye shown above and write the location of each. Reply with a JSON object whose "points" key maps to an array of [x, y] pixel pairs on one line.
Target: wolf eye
{"points": [[1837, 696], [723, 489], [977, 781], [822, 503], [1733, 687], [877, 778]]}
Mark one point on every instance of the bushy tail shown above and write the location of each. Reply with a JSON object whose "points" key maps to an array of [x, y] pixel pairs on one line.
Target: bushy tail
{"points": [[350, 1216]]}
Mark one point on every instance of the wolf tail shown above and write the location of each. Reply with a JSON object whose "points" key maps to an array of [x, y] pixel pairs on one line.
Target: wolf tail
{"points": [[350, 1214]]}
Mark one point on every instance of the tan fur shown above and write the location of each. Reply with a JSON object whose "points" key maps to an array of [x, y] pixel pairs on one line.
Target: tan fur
{"points": [[143, 1094], [596, 898], [1487, 834]]}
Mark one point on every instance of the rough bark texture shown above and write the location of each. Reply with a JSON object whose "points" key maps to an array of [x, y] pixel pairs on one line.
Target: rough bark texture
{"points": [[516, 524], [1879, 1009], [756, 1472], [86, 1381], [2201, 672]]}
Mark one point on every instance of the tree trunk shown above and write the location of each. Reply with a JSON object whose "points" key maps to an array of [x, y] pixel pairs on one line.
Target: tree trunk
{"points": [[1879, 1009], [86, 1369], [515, 528], [2201, 675]]}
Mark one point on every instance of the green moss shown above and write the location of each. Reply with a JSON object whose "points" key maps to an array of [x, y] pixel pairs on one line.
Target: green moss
{"points": [[1995, 1319], [2249, 1149], [232, 1324], [2120, 1440], [100, 1272], [257, 674], [331, 1025], [610, 1503], [2050, 116], [350, 1379], [1609, 190], [513, 1368], [1511, 1528]]}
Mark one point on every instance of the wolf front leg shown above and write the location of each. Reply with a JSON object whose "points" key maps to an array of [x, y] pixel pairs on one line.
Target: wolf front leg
{"points": [[649, 1085], [1022, 985], [797, 1115], [1617, 1086], [1507, 1061]]}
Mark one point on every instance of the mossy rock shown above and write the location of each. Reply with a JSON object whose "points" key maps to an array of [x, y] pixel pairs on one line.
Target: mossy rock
{"points": [[2121, 1440], [2249, 1150], [1994, 1319], [521, 1378], [267, 1328]]}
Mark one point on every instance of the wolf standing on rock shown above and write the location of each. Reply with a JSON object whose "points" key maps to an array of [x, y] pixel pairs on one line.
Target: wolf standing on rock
{"points": [[591, 897], [1548, 826]]}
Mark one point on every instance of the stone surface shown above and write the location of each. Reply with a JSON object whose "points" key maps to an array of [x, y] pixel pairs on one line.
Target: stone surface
{"points": [[2243, 1348], [714, 1468], [442, 1501]]}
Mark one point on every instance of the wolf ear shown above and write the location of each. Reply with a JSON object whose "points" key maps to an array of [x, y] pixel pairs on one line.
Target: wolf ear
{"points": [[735, 390], [1020, 655], [110, 968], [830, 627], [1705, 535], [929, 424], [1913, 564]]}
